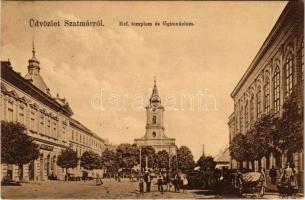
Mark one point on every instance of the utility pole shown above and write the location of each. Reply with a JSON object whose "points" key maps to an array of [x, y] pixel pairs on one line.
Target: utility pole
{"points": [[169, 159], [140, 159]]}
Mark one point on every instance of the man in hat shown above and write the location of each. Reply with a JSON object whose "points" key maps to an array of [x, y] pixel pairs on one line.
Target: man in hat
{"points": [[147, 179]]}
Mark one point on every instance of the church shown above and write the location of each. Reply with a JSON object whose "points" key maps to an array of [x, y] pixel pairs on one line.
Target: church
{"points": [[155, 135]]}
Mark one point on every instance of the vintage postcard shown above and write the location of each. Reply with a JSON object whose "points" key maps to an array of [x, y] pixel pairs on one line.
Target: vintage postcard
{"points": [[152, 99]]}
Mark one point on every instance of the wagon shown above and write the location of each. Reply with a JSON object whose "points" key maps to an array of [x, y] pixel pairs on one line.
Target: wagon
{"points": [[250, 182]]}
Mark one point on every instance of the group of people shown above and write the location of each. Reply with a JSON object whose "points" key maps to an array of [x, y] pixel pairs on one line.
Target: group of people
{"points": [[287, 175], [176, 180]]}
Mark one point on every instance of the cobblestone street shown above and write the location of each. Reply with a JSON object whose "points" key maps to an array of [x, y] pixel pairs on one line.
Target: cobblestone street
{"points": [[109, 190]]}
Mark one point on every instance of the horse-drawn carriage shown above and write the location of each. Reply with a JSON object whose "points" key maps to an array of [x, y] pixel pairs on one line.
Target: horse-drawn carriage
{"points": [[250, 182]]}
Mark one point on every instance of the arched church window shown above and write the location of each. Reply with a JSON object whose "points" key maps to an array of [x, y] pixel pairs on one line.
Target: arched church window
{"points": [[289, 73], [241, 120], [259, 102], [246, 115], [154, 119], [267, 95], [252, 108], [276, 86]]}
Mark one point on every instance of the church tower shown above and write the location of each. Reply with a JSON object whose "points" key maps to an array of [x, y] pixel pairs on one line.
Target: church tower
{"points": [[154, 135], [154, 116]]}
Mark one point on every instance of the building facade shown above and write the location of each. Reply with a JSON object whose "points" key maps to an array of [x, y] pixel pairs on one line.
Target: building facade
{"points": [[275, 71], [48, 120], [155, 135]]}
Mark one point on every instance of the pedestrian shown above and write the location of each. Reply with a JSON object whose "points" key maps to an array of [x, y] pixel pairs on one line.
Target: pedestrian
{"points": [[264, 185], [98, 180], [147, 179], [273, 174], [177, 180], [184, 182], [85, 176], [160, 182], [141, 183], [287, 175], [119, 177], [168, 182]]}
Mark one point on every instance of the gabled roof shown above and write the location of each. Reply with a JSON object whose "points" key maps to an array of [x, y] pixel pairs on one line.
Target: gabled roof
{"points": [[223, 156]]}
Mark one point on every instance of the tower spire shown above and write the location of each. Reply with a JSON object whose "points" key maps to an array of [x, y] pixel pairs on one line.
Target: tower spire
{"points": [[33, 51], [155, 81]]}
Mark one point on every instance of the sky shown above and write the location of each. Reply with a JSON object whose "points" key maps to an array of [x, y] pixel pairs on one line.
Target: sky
{"points": [[107, 73]]}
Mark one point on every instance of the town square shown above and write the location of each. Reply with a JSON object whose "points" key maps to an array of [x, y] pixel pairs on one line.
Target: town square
{"points": [[185, 100]]}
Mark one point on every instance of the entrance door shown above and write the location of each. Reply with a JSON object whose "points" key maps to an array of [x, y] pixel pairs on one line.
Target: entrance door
{"points": [[48, 166], [41, 166], [31, 171]]}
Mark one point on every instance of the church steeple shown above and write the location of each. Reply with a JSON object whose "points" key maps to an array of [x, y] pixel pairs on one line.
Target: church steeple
{"points": [[155, 99], [155, 89]]}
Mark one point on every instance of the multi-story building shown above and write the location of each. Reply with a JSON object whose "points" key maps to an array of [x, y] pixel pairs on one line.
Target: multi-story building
{"points": [[276, 70], [48, 120], [155, 135]]}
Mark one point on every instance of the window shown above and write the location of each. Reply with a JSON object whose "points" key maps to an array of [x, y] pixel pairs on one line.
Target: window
{"points": [[236, 112], [54, 129], [21, 115], [64, 132], [276, 86], [49, 127], [154, 119], [259, 102], [289, 73], [72, 135], [32, 122], [154, 134], [302, 60], [252, 108], [76, 136], [246, 115], [241, 118], [41, 124], [267, 95]]}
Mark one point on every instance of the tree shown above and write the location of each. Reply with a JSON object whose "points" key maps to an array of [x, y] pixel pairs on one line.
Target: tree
{"points": [[127, 155], [238, 148], [67, 159], [16, 146], [90, 160], [162, 159], [110, 161], [291, 123], [185, 159], [260, 138], [206, 163]]}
